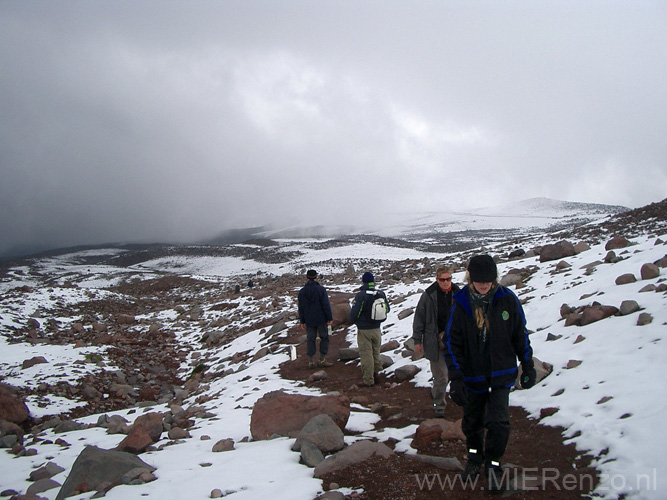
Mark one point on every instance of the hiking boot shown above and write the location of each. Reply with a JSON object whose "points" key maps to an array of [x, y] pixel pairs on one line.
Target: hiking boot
{"points": [[494, 476], [324, 363], [311, 363], [472, 470]]}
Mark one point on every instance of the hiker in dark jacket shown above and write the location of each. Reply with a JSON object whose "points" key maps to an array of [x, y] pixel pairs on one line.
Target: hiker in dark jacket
{"points": [[369, 334], [485, 335], [428, 329], [315, 317]]}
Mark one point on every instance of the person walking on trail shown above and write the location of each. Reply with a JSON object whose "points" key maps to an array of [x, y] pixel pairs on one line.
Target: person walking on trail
{"points": [[428, 329], [485, 335], [369, 334], [315, 317]]}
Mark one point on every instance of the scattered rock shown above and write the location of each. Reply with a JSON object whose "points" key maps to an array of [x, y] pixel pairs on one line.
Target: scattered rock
{"points": [[628, 307], [223, 445], [542, 371], [406, 372], [429, 431], [644, 319], [348, 354], [41, 486], [353, 454], [145, 431], [12, 408], [624, 279], [311, 455], [649, 271], [611, 258], [617, 242], [444, 463], [405, 313], [323, 432], [46, 471], [33, 361]]}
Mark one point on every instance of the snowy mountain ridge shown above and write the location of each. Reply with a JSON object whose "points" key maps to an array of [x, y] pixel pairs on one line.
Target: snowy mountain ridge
{"points": [[507, 221]]}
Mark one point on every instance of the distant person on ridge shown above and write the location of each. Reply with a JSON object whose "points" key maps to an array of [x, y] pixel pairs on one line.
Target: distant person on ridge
{"points": [[485, 335], [428, 329], [369, 334], [315, 317]]}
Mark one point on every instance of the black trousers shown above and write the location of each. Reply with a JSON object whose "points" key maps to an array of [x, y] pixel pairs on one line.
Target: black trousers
{"points": [[311, 339], [490, 411]]}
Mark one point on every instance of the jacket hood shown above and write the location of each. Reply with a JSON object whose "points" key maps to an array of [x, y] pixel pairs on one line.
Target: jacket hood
{"points": [[463, 297]]}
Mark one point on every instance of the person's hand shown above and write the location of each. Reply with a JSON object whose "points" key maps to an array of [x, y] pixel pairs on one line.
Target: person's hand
{"points": [[457, 392], [303, 326], [528, 376], [419, 352]]}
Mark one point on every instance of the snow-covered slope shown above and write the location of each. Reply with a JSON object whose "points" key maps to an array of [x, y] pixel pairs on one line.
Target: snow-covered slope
{"points": [[510, 220], [611, 403]]}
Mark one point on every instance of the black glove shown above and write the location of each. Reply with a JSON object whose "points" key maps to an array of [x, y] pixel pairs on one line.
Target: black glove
{"points": [[528, 376], [457, 392]]}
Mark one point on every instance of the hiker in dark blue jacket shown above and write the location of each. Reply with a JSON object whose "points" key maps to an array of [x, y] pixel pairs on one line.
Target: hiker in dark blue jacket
{"points": [[369, 334], [485, 335], [315, 317]]}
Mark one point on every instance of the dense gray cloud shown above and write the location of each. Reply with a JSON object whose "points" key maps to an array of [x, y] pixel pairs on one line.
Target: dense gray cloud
{"points": [[172, 121]]}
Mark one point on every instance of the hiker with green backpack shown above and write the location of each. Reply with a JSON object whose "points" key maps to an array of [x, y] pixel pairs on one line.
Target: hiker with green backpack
{"points": [[369, 310]]}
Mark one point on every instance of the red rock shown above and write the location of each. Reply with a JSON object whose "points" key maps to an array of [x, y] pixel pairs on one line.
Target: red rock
{"points": [[286, 414]]}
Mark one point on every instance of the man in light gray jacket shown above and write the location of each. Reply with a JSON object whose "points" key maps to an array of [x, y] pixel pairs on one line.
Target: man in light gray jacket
{"points": [[428, 327]]}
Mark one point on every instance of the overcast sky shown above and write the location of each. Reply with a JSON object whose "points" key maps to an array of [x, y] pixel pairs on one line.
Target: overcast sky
{"points": [[171, 121]]}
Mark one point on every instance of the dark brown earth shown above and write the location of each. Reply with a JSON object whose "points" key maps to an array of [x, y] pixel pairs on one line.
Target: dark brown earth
{"points": [[535, 448]]}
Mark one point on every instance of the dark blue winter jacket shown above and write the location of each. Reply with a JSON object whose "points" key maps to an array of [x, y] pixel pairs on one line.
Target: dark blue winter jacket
{"points": [[314, 307], [507, 337], [360, 314]]}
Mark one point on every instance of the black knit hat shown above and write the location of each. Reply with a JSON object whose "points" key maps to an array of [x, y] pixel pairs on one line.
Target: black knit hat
{"points": [[312, 274], [482, 269], [368, 277]]}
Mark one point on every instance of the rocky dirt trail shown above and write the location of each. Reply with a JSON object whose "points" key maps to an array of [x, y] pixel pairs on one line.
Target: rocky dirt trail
{"points": [[535, 451]]}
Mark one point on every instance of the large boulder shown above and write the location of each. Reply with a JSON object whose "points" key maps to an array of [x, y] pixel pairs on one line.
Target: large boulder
{"points": [[558, 250], [617, 242], [287, 414], [96, 469], [340, 309]]}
